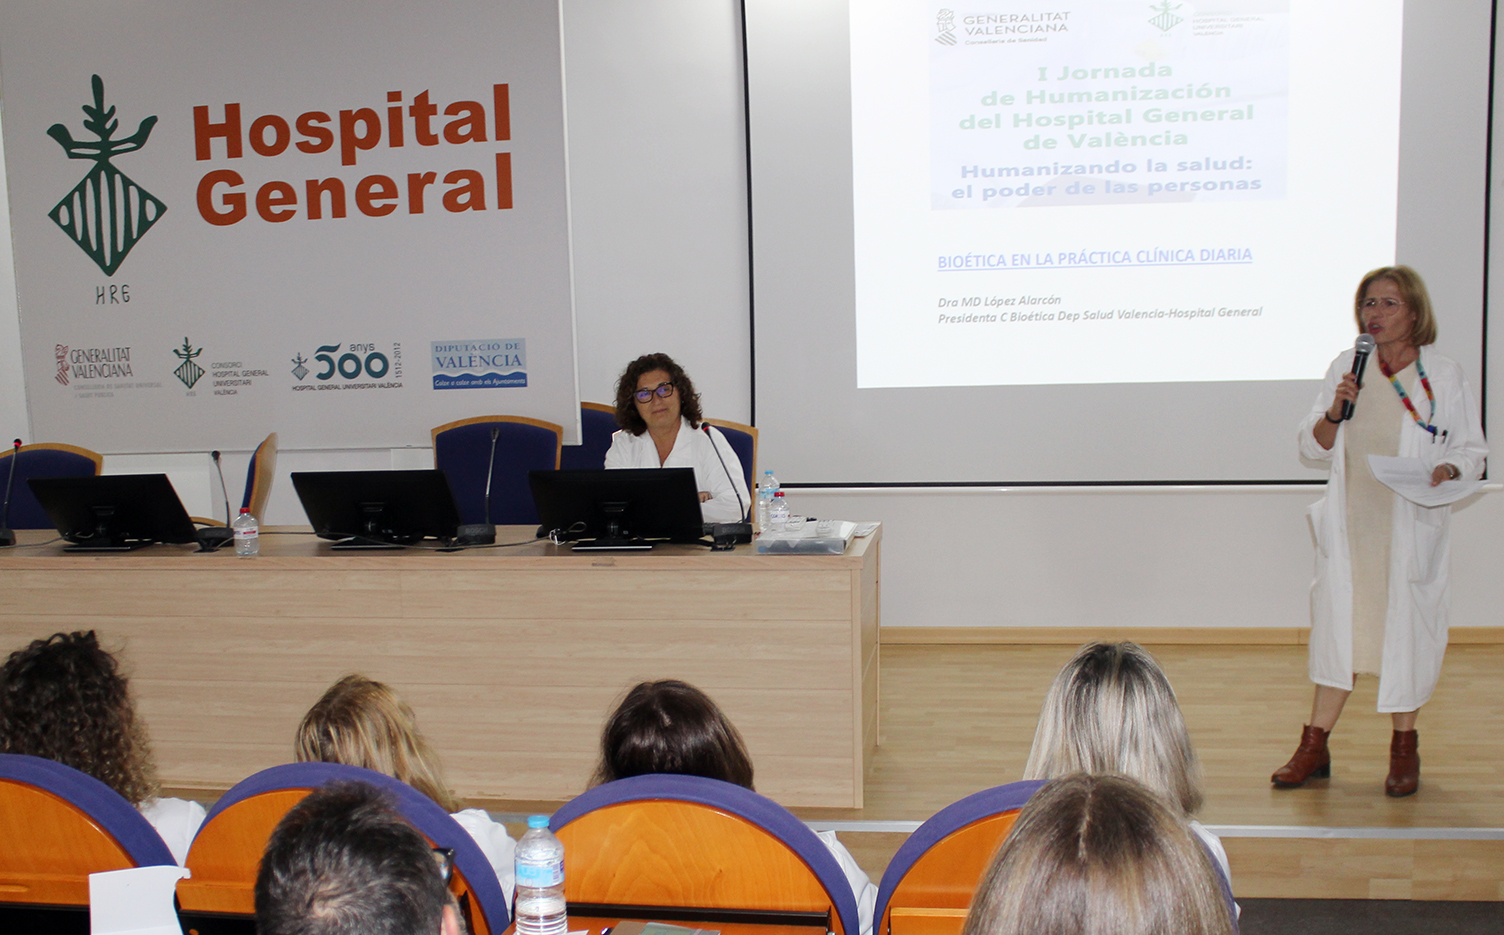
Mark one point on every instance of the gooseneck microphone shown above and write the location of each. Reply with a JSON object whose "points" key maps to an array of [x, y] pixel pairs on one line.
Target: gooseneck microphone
{"points": [[727, 535], [212, 537], [735, 487], [7, 537], [1363, 348], [482, 533]]}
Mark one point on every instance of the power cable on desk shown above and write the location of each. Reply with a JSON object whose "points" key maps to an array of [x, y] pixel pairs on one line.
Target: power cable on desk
{"points": [[32, 545]]}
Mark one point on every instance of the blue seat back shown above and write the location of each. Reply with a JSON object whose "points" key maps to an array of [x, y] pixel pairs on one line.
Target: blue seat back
{"points": [[421, 811], [45, 460], [462, 449], [747, 806], [743, 441], [597, 424]]}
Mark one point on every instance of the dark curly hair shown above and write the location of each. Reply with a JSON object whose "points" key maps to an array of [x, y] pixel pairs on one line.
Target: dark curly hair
{"points": [[627, 416], [670, 726], [64, 699]]}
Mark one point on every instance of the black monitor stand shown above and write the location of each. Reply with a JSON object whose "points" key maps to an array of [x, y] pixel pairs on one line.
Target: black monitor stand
{"points": [[615, 539], [373, 537], [107, 538]]}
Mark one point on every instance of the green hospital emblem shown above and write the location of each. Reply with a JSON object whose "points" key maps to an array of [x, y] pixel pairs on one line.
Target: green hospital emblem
{"points": [[106, 213], [1166, 19], [188, 371]]}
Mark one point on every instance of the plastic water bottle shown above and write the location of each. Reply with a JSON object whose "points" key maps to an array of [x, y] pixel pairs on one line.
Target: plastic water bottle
{"points": [[247, 534], [778, 513], [540, 881], [765, 491]]}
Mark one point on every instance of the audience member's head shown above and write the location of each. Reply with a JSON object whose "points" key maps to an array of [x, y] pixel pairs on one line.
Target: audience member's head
{"points": [[344, 862], [671, 727], [1100, 855], [360, 722], [1111, 710], [63, 698]]}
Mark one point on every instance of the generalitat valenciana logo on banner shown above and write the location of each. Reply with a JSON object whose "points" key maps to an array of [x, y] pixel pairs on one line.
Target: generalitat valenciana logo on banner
{"points": [[106, 214]]}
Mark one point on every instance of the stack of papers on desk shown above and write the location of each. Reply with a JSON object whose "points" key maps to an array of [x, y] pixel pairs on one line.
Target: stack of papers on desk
{"points": [[808, 541]]}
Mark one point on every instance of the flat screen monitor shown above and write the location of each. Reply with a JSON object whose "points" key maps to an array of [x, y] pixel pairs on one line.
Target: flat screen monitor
{"points": [[377, 509], [113, 512], [619, 508]]}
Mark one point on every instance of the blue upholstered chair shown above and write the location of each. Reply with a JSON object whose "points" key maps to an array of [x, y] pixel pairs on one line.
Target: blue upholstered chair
{"points": [[597, 423], [259, 475], [743, 441], [688, 842], [928, 885], [43, 460], [462, 450], [227, 851], [60, 825]]}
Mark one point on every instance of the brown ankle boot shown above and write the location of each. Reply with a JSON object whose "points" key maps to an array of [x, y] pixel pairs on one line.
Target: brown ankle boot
{"points": [[1404, 764], [1311, 759]]}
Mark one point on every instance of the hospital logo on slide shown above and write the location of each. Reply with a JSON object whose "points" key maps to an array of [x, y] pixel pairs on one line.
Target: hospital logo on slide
{"points": [[479, 364], [945, 26], [106, 214], [188, 372], [1165, 19]]}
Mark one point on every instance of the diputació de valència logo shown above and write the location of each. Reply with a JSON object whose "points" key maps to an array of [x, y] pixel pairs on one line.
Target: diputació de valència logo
{"points": [[106, 214]]}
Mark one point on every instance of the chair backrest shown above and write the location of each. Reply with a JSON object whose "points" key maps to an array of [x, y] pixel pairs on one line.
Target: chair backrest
{"points": [[259, 476], [929, 883], [42, 460], [60, 825], [226, 853], [743, 441], [597, 424], [462, 450], [697, 843]]}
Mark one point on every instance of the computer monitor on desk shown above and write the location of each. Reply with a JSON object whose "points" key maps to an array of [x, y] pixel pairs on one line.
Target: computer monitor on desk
{"points": [[113, 512], [623, 509], [377, 509]]}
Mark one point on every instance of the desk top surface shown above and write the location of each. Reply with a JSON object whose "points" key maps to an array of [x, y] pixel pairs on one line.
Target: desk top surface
{"points": [[296, 547]]}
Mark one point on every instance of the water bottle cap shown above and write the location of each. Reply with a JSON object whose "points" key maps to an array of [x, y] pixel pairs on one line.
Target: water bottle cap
{"points": [[244, 510], [537, 821], [778, 494]]}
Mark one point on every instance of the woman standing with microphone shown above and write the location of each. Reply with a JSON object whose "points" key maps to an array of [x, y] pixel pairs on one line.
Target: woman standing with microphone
{"points": [[1379, 598]]}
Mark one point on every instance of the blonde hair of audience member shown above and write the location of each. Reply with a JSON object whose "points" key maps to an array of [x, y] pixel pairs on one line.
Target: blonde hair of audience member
{"points": [[1099, 855], [361, 722], [1111, 710]]}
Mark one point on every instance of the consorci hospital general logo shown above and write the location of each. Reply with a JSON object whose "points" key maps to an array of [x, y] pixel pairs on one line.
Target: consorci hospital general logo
{"points": [[106, 213]]}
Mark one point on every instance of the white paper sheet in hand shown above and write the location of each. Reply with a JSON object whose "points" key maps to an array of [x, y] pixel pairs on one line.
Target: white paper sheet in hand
{"points": [[1411, 479]]}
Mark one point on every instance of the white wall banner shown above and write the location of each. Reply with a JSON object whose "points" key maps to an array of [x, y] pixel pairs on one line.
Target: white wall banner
{"points": [[345, 222]]}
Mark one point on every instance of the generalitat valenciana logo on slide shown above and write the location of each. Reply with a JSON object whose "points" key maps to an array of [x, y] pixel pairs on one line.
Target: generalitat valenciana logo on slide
{"points": [[106, 214]]}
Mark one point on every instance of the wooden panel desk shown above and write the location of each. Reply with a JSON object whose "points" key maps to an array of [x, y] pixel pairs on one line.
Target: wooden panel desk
{"points": [[511, 657]]}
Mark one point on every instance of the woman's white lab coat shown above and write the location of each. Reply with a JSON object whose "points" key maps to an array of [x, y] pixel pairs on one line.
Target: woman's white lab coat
{"points": [[1415, 628], [692, 449]]}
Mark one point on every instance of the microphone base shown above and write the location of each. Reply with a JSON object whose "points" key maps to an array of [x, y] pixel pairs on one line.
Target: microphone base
{"points": [[7, 537], [210, 539], [731, 534], [475, 534]]}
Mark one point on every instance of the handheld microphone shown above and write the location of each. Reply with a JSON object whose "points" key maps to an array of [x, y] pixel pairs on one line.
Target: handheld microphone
{"points": [[1363, 348], [212, 537], [482, 533], [726, 535], [7, 536]]}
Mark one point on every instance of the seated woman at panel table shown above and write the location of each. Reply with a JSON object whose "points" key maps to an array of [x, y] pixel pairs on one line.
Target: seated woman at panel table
{"points": [[360, 722], [1111, 710], [659, 414], [672, 727], [1099, 855], [64, 699]]}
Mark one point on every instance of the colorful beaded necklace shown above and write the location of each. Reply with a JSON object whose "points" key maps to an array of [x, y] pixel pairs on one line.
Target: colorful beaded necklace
{"points": [[1425, 382]]}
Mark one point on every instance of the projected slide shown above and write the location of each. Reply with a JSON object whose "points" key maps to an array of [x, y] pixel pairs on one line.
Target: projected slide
{"points": [[1117, 191]]}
